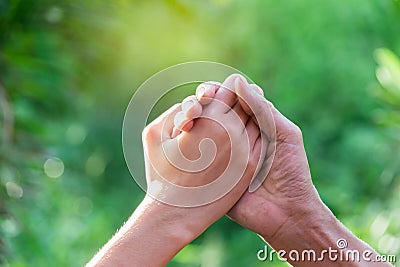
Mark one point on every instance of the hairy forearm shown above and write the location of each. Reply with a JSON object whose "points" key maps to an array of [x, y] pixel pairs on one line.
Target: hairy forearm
{"points": [[151, 237], [320, 232]]}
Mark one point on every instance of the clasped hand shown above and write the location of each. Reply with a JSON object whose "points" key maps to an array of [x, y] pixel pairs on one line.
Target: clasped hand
{"points": [[226, 150]]}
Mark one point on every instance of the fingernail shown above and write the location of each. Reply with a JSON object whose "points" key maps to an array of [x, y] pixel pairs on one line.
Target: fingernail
{"points": [[179, 118], [187, 105], [200, 92], [240, 82]]}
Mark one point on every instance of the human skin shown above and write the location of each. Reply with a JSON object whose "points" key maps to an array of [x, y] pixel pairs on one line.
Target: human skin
{"points": [[286, 210], [157, 231]]}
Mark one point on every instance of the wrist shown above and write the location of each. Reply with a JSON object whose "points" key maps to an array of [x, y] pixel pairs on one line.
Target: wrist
{"points": [[173, 223], [312, 228], [303, 227], [152, 236], [317, 230]]}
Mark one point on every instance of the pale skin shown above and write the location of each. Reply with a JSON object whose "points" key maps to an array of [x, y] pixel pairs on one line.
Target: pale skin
{"points": [[156, 231], [286, 210]]}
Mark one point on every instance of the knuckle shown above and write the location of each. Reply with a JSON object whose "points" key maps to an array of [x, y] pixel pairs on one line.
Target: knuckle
{"points": [[234, 76], [149, 133], [297, 132], [296, 129]]}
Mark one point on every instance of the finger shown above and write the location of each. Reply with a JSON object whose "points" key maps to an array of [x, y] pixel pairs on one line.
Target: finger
{"points": [[256, 105], [259, 91], [175, 132], [257, 146], [182, 123], [256, 88], [253, 132], [237, 108], [263, 156], [205, 92], [257, 155], [180, 120], [191, 107], [187, 126], [163, 125], [226, 93], [282, 124]]}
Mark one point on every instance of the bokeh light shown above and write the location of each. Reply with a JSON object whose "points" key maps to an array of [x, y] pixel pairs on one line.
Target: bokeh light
{"points": [[14, 190], [53, 167], [67, 72]]}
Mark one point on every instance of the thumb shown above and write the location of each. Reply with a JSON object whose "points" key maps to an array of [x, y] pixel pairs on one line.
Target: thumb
{"points": [[268, 117], [255, 105]]}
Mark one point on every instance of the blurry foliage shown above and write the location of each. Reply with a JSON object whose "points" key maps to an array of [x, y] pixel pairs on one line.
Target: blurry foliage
{"points": [[388, 74], [67, 72]]}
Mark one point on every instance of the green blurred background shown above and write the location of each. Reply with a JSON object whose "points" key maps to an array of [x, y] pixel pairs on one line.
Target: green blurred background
{"points": [[68, 69]]}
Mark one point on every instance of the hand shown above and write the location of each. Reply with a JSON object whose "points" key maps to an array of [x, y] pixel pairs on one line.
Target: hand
{"points": [[156, 231], [287, 210], [287, 190], [174, 158]]}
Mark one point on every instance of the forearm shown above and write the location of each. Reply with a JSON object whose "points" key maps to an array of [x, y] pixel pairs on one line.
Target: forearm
{"points": [[321, 233], [151, 237]]}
